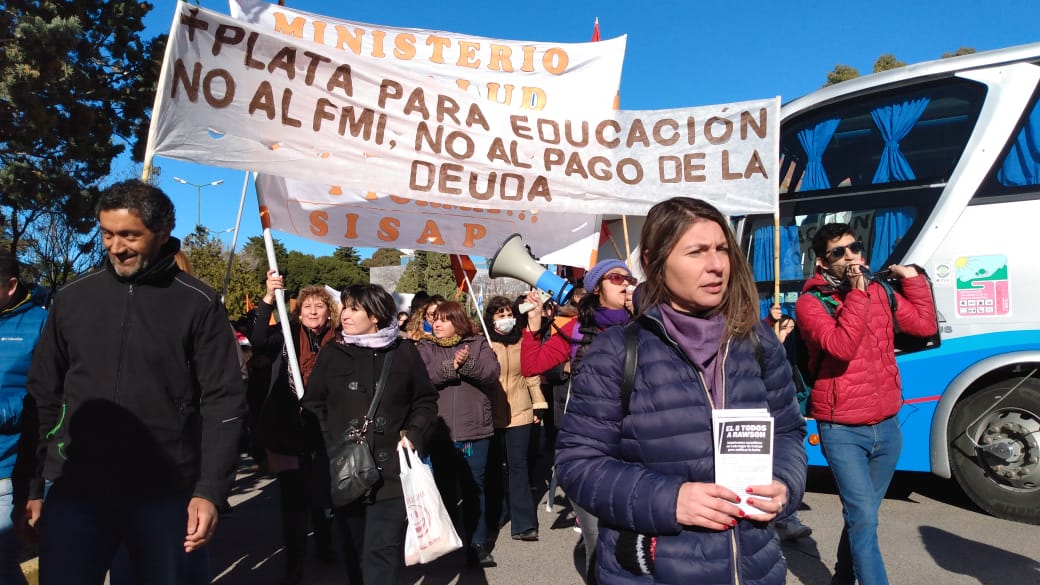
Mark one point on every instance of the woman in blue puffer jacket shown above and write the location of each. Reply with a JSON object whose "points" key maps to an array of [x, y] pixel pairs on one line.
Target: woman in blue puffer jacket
{"points": [[648, 473]]}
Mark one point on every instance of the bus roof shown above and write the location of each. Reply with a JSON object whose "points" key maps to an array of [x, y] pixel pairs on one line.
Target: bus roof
{"points": [[915, 73]]}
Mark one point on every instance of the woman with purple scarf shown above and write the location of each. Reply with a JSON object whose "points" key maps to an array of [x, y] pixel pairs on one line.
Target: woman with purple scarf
{"points": [[646, 469], [610, 283]]}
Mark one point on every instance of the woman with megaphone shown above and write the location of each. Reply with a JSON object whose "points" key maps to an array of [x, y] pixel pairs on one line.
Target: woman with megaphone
{"points": [[610, 285]]}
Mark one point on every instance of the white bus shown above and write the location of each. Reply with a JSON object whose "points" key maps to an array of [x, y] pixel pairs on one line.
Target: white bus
{"points": [[935, 164]]}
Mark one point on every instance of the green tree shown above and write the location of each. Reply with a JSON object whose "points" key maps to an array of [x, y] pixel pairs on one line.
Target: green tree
{"points": [[429, 271], [886, 62], [300, 270], [209, 258], [77, 81], [841, 73], [339, 274], [384, 257], [254, 256], [347, 254], [959, 52]]}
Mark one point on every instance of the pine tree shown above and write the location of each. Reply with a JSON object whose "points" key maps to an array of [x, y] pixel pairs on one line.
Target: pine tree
{"points": [[77, 81]]}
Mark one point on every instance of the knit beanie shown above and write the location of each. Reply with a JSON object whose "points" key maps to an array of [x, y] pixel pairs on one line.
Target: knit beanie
{"points": [[596, 273], [635, 552]]}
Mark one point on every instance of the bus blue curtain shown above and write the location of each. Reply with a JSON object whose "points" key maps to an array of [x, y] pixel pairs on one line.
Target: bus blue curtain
{"points": [[890, 225], [790, 261], [1022, 165], [895, 122], [814, 141]]}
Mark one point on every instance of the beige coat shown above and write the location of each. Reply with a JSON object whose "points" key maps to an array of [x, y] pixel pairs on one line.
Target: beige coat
{"points": [[516, 398]]}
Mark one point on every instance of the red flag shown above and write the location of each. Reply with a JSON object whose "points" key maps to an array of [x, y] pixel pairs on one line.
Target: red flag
{"points": [[604, 233], [595, 31], [463, 270]]}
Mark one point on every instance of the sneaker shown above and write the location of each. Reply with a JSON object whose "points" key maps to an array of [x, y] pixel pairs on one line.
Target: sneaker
{"points": [[576, 528], [792, 529]]}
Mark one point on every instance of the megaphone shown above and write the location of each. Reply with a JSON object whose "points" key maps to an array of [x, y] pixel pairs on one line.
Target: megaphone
{"points": [[514, 260]]}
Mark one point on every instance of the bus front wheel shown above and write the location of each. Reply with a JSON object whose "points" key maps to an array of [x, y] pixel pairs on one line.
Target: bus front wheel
{"points": [[995, 450]]}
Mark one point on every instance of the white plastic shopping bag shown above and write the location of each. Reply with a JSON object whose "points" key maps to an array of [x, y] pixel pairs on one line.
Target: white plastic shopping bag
{"points": [[430, 531]]}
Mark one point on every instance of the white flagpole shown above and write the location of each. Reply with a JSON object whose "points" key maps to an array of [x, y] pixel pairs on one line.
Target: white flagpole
{"points": [[279, 297]]}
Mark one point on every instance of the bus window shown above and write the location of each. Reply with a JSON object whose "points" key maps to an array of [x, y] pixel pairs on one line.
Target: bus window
{"points": [[881, 229], [900, 136], [1018, 169]]}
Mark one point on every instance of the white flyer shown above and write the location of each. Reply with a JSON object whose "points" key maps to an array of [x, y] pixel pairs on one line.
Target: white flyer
{"points": [[743, 441]]}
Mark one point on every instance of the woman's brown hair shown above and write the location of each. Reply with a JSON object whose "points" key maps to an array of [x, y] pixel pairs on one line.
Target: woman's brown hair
{"points": [[665, 224], [320, 293], [455, 313]]}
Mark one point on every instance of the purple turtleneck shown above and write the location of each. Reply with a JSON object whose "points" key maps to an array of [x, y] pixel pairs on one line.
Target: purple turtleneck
{"points": [[699, 339]]}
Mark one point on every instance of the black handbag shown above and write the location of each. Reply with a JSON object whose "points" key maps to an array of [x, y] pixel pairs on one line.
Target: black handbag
{"points": [[351, 464]]}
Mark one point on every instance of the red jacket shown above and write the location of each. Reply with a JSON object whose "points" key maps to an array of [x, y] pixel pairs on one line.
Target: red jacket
{"points": [[537, 357], [853, 353]]}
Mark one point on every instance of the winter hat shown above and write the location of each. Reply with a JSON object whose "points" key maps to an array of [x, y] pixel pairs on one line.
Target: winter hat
{"points": [[596, 273]]}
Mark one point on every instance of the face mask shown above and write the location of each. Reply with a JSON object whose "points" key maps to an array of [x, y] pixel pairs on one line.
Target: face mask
{"points": [[505, 325], [426, 327]]}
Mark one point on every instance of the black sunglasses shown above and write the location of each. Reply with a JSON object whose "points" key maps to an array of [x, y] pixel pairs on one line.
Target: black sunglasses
{"points": [[839, 251]]}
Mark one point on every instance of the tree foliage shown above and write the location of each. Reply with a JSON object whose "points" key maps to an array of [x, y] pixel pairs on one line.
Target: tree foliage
{"points": [[77, 81], [429, 271], [841, 73], [883, 63], [384, 257], [959, 52], [209, 259], [886, 62]]}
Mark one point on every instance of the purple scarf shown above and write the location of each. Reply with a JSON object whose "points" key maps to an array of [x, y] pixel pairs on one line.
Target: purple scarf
{"points": [[700, 340], [604, 318]]}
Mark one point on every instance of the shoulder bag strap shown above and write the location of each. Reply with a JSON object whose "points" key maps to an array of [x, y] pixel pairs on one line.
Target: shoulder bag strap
{"points": [[628, 376], [380, 385]]}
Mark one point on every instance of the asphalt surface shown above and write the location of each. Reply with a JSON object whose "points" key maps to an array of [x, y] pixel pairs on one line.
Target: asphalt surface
{"points": [[930, 534]]}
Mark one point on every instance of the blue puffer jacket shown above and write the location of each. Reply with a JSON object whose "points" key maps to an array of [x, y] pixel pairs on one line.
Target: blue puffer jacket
{"points": [[20, 327], [628, 471]]}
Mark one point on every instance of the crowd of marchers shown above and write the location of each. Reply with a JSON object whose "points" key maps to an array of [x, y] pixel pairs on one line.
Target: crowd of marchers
{"points": [[126, 402]]}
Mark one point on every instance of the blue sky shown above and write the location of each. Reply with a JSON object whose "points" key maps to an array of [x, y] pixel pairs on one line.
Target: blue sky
{"points": [[678, 54]]}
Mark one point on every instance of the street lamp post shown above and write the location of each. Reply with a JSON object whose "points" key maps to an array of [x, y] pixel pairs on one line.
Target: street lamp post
{"points": [[198, 194]]}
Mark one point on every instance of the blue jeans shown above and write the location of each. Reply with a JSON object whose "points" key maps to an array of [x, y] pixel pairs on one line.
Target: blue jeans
{"points": [[863, 460], [10, 545], [514, 443], [80, 533], [459, 469]]}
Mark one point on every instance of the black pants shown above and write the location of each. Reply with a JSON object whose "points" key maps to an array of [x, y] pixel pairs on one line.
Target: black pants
{"points": [[374, 540], [297, 511]]}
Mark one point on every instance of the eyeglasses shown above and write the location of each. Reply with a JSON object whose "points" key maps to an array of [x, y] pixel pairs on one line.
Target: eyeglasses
{"points": [[839, 251], [618, 279]]}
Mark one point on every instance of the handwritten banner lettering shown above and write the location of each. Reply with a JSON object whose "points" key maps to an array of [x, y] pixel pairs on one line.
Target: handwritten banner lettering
{"points": [[235, 96]]}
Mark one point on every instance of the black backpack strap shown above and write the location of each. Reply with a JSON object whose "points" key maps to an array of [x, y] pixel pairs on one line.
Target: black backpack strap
{"points": [[628, 377]]}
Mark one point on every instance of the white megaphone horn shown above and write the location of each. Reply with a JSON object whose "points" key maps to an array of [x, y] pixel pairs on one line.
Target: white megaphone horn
{"points": [[514, 260]]}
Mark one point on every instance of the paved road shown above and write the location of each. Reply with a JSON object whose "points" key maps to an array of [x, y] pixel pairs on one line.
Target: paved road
{"points": [[929, 535]]}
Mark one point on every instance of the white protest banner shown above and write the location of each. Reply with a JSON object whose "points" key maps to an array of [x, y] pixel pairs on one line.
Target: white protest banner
{"points": [[235, 96], [509, 72], [319, 212], [529, 75]]}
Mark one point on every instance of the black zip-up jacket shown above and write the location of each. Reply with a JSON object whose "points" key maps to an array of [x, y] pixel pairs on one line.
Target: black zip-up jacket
{"points": [[138, 385], [340, 391]]}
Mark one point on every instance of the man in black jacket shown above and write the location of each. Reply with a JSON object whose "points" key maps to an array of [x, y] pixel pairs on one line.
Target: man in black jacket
{"points": [[135, 371]]}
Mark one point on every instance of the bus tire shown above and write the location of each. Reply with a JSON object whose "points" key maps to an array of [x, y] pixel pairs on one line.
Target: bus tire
{"points": [[995, 455]]}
